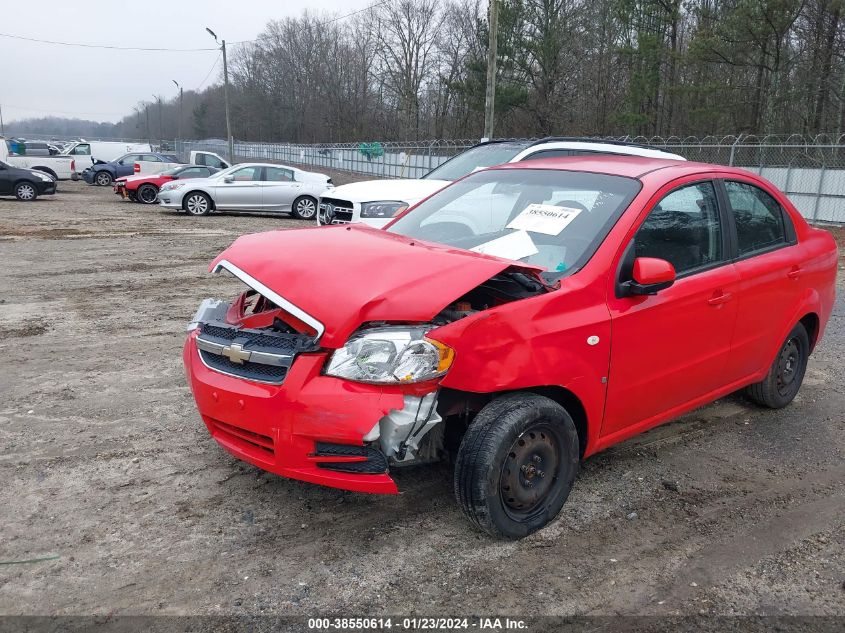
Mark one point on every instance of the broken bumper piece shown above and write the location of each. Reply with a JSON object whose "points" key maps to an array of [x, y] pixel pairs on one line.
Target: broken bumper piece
{"points": [[309, 427]]}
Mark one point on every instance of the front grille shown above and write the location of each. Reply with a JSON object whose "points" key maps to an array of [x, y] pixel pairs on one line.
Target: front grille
{"points": [[254, 355], [282, 342], [259, 445], [375, 464], [248, 370], [335, 211]]}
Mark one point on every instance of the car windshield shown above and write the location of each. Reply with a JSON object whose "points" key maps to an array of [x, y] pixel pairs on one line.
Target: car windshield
{"points": [[548, 218], [474, 159]]}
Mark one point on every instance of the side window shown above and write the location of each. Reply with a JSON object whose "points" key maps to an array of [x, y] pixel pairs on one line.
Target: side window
{"points": [[194, 172], [82, 150], [245, 174], [151, 158], [211, 161], [277, 174], [758, 217], [684, 228], [551, 153]]}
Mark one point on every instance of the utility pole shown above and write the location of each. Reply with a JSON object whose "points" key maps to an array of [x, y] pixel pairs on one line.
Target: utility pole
{"points": [[492, 50], [179, 133], [229, 138], [147, 114], [160, 132]]}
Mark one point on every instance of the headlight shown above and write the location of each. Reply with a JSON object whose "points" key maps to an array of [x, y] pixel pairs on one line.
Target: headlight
{"points": [[383, 209], [45, 177], [391, 355], [172, 185]]}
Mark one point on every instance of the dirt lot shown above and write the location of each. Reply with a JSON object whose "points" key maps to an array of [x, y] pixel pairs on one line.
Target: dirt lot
{"points": [[105, 464]]}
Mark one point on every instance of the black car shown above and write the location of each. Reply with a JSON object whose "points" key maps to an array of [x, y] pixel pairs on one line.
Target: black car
{"points": [[24, 184]]}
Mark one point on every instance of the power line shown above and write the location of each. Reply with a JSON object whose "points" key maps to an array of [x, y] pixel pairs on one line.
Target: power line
{"points": [[52, 111], [119, 48], [213, 66], [375, 5]]}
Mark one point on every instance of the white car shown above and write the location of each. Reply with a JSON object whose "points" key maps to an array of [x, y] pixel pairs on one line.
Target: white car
{"points": [[377, 202], [249, 187]]}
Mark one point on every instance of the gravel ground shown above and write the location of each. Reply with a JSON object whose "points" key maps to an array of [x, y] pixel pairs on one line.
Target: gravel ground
{"points": [[105, 464]]}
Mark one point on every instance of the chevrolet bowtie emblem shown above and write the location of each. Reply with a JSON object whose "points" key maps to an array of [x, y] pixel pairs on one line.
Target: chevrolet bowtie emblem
{"points": [[236, 353]]}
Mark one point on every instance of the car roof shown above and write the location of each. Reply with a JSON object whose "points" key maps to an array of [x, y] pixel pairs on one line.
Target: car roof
{"points": [[616, 165]]}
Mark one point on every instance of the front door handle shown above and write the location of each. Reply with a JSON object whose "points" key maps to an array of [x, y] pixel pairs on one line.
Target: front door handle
{"points": [[719, 298], [794, 273]]}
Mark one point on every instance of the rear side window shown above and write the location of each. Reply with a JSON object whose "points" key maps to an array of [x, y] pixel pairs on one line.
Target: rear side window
{"points": [[758, 217], [277, 174], [684, 228], [150, 158]]}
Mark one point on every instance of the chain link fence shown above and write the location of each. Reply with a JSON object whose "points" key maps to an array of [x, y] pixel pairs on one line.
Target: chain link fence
{"points": [[810, 170]]}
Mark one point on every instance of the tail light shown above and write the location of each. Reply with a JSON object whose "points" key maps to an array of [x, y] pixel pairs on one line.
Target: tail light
{"points": [[72, 165], [137, 168]]}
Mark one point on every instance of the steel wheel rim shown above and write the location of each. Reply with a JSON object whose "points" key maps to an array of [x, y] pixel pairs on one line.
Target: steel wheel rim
{"points": [[26, 192], [197, 205], [789, 362], [306, 208], [146, 199], [530, 471], [103, 179]]}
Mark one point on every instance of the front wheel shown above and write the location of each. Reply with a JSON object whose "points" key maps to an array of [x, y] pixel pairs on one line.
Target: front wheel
{"points": [[197, 203], [103, 179], [304, 208], [516, 465], [147, 194], [786, 374], [25, 192]]}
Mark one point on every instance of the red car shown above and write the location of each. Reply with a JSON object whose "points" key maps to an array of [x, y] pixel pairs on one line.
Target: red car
{"points": [[521, 319], [144, 188]]}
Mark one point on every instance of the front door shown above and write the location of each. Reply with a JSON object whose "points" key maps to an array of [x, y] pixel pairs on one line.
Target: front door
{"points": [[243, 192], [671, 348]]}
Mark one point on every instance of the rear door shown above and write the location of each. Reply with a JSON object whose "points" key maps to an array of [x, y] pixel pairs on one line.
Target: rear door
{"points": [[243, 192], [767, 261], [671, 348], [279, 189]]}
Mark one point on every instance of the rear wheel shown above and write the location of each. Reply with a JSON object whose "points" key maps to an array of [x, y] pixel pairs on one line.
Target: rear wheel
{"points": [[103, 178], [147, 194], [781, 384], [516, 465], [304, 208], [197, 203], [25, 191]]}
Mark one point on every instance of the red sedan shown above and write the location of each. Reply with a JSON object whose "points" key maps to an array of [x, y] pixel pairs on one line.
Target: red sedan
{"points": [[144, 189], [521, 319]]}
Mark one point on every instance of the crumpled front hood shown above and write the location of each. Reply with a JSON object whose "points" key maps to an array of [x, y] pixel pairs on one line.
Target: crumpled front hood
{"points": [[410, 191], [345, 276]]}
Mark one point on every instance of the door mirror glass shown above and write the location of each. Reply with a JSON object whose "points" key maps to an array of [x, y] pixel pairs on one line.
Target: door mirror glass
{"points": [[650, 275]]}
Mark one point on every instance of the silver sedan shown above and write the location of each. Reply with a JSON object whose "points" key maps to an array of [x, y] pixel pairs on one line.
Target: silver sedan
{"points": [[249, 187]]}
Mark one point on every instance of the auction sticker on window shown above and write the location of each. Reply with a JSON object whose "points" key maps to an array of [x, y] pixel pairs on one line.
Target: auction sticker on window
{"points": [[544, 218]]}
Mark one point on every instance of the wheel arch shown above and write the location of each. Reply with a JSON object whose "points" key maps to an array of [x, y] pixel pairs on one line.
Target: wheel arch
{"points": [[811, 323], [453, 402], [47, 170]]}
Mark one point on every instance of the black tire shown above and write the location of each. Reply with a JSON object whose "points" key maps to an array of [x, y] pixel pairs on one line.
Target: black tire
{"points": [[132, 196], [304, 208], [147, 194], [26, 191], [194, 205], [781, 384], [516, 465], [103, 178]]}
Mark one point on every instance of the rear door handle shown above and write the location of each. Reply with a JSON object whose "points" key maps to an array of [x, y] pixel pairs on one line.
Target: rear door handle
{"points": [[719, 299], [795, 273]]}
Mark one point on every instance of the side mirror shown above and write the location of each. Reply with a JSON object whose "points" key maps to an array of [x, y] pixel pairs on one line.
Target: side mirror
{"points": [[228, 179], [649, 276]]}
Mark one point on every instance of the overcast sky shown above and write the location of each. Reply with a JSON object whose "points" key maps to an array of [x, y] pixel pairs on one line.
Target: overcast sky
{"points": [[103, 85]]}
